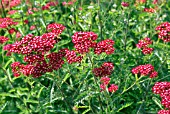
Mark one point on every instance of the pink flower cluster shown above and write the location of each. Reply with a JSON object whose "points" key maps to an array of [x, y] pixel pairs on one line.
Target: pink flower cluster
{"points": [[36, 53], [68, 3], [163, 89], [105, 82], [164, 112], [71, 57], [164, 30], [11, 12], [55, 28], [125, 4], [34, 44], [3, 39], [145, 70], [150, 10], [37, 65], [6, 22], [143, 44], [31, 10], [48, 5], [105, 70], [104, 46], [83, 41], [11, 3]]}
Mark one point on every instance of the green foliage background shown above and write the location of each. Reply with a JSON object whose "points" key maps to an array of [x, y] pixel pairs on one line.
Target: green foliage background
{"points": [[72, 89]]}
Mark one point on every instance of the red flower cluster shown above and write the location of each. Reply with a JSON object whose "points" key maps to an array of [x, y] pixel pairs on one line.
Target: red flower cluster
{"points": [[71, 57], [3, 39], [47, 6], [150, 10], [164, 112], [113, 88], [30, 10], [145, 70], [5, 22], [105, 70], [37, 65], [11, 12], [155, 1], [104, 83], [12, 30], [83, 41], [55, 28], [32, 27], [38, 44], [35, 49], [163, 89], [68, 3], [56, 60], [143, 44], [104, 46], [11, 3], [125, 4], [164, 30], [15, 68]]}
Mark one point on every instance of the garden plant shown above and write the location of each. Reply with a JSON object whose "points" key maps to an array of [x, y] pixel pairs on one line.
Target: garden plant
{"points": [[85, 57]]}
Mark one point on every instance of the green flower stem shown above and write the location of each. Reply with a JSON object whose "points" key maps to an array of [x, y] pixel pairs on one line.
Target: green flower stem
{"points": [[95, 81], [100, 22], [62, 93], [167, 76], [126, 31], [7, 29], [3, 9], [8, 77], [136, 82], [144, 99]]}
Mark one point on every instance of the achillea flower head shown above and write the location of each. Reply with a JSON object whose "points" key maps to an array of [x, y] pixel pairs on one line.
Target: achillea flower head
{"points": [[155, 1], [32, 27], [143, 44], [113, 88], [26, 21], [145, 70], [149, 10], [38, 44], [55, 28], [164, 112], [163, 89], [163, 31], [72, 57], [6, 22], [83, 41], [11, 12], [147, 50], [37, 65], [11, 3], [16, 68], [12, 30], [141, 1], [56, 60], [104, 46], [105, 70], [125, 4], [18, 34], [3, 39], [105, 80], [46, 7]]}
